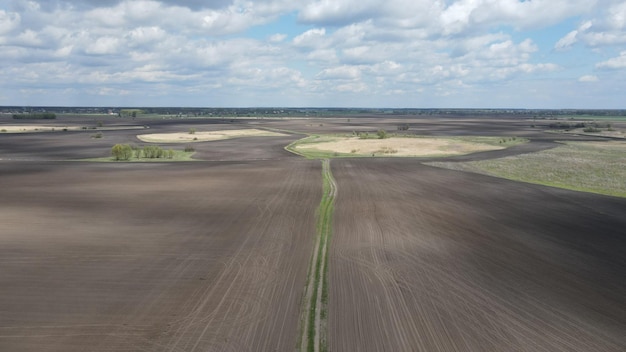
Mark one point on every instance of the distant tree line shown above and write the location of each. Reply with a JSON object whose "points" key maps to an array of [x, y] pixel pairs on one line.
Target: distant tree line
{"points": [[36, 116], [565, 125]]}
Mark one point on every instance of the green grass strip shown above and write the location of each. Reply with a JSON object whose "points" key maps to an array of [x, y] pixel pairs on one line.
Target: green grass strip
{"points": [[319, 272]]}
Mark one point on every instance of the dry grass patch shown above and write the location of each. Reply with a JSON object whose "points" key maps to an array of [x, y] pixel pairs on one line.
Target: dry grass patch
{"points": [[596, 167], [395, 146], [197, 136]]}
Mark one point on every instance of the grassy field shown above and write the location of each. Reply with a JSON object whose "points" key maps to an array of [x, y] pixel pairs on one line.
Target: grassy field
{"points": [[597, 167], [179, 155], [337, 146]]}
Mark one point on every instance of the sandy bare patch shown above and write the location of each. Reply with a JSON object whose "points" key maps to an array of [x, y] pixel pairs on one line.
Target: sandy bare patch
{"points": [[398, 146], [186, 137], [36, 128]]}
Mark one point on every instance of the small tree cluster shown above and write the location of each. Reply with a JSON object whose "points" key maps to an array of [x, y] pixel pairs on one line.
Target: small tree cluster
{"points": [[122, 152], [382, 134], [404, 127], [153, 152], [156, 152]]}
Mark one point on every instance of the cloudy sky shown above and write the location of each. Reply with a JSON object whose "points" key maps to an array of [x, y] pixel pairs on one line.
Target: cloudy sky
{"points": [[332, 53]]}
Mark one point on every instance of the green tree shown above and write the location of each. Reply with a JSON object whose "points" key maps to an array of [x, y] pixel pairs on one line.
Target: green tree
{"points": [[382, 134], [121, 151]]}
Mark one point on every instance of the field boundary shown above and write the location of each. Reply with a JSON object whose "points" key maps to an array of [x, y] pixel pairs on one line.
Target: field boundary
{"points": [[313, 332]]}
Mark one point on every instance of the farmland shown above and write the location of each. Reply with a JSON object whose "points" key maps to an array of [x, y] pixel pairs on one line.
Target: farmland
{"points": [[253, 248]]}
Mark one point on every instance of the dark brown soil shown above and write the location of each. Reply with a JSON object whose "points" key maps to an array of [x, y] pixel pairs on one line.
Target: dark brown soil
{"points": [[213, 255], [424, 259], [155, 257]]}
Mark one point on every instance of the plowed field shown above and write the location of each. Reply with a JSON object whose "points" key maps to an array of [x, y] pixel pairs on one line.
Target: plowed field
{"points": [[115, 257], [436, 260], [215, 254]]}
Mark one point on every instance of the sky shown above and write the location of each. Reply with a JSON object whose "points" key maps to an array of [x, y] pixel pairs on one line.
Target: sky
{"points": [[531, 54]]}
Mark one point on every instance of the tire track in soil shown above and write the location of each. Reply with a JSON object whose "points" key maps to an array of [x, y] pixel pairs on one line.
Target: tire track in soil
{"points": [[219, 272], [239, 276]]}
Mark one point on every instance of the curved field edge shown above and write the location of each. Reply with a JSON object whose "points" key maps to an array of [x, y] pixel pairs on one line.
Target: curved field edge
{"points": [[306, 147], [595, 167], [313, 337], [205, 136]]}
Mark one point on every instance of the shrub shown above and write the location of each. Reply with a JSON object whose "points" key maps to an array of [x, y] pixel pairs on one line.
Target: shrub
{"points": [[153, 152], [192, 131], [404, 127], [97, 135], [189, 149], [591, 129], [3, 130], [382, 134], [170, 154], [121, 151]]}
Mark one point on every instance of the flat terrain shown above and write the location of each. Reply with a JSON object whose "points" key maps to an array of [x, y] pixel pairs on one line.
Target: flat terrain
{"points": [[598, 167], [204, 136], [426, 259], [214, 255], [169, 257], [394, 146]]}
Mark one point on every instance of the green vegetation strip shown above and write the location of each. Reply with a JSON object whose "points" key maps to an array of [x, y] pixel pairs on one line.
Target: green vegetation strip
{"points": [[597, 167], [314, 329]]}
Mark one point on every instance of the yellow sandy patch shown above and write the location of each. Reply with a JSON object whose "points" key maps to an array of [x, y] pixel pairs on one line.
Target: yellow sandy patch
{"points": [[186, 137], [398, 146], [36, 128]]}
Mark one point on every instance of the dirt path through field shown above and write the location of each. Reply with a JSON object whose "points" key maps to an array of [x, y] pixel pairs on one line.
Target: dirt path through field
{"points": [[313, 331]]}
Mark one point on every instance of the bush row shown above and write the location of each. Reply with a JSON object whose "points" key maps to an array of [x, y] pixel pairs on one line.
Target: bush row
{"points": [[126, 152]]}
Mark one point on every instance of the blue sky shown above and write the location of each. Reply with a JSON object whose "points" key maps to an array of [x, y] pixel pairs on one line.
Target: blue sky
{"points": [[326, 53]]}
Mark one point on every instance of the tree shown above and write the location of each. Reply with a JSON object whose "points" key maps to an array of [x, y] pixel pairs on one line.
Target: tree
{"points": [[121, 151], [382, 134]]}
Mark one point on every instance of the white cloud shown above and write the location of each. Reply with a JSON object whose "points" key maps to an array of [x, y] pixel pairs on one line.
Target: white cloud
{"points": [[104, 45], [8, 21], [464, 14], [353, 87], [311, 38], [368, 48], [277, 38], [338, 11], [341, 72], [567, 41], [588, 78], [614, 63]]}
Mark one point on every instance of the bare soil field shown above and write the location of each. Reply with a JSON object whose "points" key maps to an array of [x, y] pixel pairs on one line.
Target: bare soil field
{"points": [[159, 257], [214, 255], [438, 260]]}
